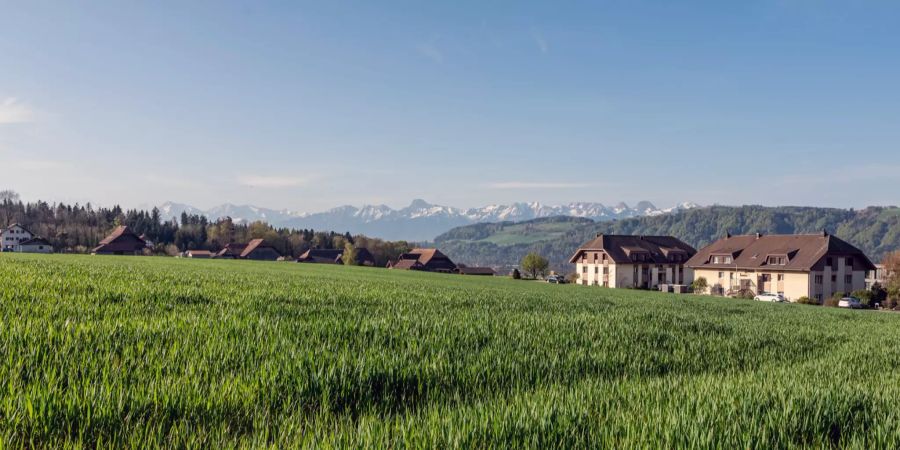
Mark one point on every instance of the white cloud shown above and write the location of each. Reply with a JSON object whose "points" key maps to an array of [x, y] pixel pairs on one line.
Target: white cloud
{"points": [[534, 185], [13, 111], [540, 41], [270, 181], [430, 51]]}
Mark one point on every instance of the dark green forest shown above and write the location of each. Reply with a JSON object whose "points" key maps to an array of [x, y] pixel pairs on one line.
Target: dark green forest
{"points": [[875, 230]]}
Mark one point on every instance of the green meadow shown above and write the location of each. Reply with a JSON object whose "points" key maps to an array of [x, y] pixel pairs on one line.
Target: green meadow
{"points": [[114, 352]]}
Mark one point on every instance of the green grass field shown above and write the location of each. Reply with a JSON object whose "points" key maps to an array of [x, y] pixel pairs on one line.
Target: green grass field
{"points": [[116, 352]]}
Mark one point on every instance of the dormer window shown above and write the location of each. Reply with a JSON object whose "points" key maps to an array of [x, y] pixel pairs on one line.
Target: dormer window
{"points": [[776, 260], [721, 259]]}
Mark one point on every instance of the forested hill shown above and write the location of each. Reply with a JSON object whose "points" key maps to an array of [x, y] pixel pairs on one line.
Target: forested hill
{"points": [[875, 230]]}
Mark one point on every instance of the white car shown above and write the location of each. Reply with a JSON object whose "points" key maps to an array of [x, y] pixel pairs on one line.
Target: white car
{"points": [[849, 302], [769, 297]]}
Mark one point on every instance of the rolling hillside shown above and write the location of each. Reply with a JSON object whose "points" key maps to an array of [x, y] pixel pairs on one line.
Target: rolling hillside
{"points": [[875, 230]]}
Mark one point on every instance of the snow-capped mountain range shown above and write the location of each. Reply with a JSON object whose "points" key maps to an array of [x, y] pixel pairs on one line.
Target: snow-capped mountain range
{"points": [[420, 221]]}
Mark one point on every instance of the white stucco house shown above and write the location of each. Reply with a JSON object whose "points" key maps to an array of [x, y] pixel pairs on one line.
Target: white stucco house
{"points": [[12, 236]]}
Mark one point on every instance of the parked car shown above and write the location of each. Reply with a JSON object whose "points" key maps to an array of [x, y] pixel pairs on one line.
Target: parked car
{"points": [[558, 279], [769, 297], [849, 302]]}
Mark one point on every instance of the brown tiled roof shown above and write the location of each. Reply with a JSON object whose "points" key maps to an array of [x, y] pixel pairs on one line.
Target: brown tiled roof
{"points": [[407, 264], [620, 248], [804, 252], [476, 271], [122, 239], [321, 255], [232, 250], [255, 244]]}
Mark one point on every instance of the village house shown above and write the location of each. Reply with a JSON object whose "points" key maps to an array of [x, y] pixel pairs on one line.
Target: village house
{"points": [[876, 276], [256, 249], [35, 245], [625, 261], [12, 236], [425, 259], [334, 256], [808, 265], [122, 241]]}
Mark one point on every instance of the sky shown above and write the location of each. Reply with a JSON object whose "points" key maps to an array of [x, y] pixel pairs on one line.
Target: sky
{"points": [[311, 105]]}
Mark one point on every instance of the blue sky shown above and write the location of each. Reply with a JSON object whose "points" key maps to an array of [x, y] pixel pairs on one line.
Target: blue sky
{"points": [[309, 105]]}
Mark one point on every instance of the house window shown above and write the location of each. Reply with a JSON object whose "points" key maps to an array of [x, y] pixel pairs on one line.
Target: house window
{"points": [[583, 268], [849, 262], [596, 269], [818, 279], [606, 271], [730, 275], [604, 256], [776, 260], [780, 277], [584, 282], [721, 275], [834, 278], [819, 298], [848, 279], [606, 284]]}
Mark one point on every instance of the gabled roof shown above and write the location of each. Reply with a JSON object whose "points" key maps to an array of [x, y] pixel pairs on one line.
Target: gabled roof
{"points": [[16, 224], [804, 252], [321, 255], [255, 244], [36, 241], [620, 248], [122, 239], [232, 249], [121, 231]]}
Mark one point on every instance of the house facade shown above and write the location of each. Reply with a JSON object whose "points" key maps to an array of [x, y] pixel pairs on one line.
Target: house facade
{"points": [[122, 241], [12, 236], [625, 261], [35, 245], [811, 265]]}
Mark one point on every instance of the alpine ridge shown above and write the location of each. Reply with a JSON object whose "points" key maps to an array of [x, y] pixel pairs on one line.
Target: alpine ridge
{"points": [[420, 220]]}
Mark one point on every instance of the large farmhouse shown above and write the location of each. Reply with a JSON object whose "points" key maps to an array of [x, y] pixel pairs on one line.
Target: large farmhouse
{"points": [[12, 236], [811, 265], [35, 245], [256, 249], [426, 259], [122, 241], [335, 256], [624, 261]]}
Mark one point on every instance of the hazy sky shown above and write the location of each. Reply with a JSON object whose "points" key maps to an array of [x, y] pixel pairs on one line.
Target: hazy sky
{"points": [[309, 105]]}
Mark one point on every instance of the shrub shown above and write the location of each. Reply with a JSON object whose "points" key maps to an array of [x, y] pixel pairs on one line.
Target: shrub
{"points": [[833, 302], [572, 278], [807, 301], [515, 274], [699, 285], [745, 294]]}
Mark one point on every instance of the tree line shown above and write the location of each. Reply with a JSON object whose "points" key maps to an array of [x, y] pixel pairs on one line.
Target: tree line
{"points": [[874, 230], [75, 228]]}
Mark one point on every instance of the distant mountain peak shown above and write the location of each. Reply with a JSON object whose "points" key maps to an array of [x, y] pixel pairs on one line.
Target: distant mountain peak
{"points": [[421, 220]]}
